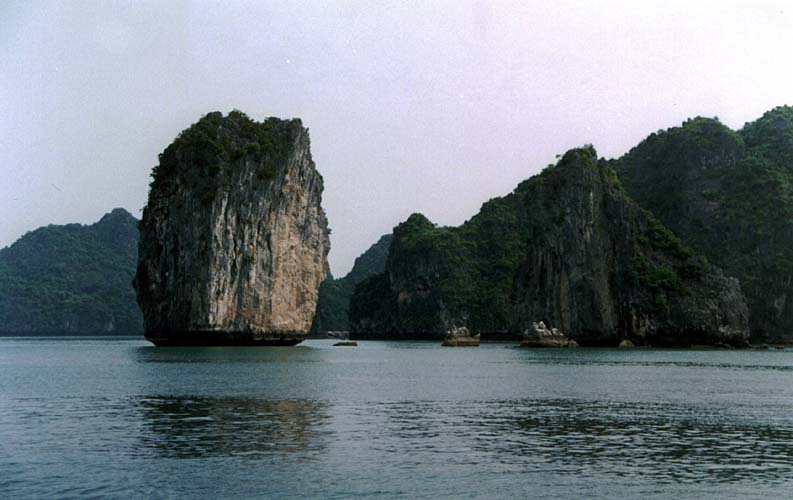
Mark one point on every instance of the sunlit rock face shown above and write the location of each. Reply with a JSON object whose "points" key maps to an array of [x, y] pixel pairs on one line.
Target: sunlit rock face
{"points": [[234, 240]]}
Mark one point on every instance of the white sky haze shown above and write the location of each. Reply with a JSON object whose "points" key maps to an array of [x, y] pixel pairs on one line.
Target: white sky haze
{"points": [[429, 107]]}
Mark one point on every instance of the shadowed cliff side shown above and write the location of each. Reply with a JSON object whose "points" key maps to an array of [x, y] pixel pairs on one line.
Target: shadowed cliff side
{"points": [[233, 241], [567, 247], [729, 195]]}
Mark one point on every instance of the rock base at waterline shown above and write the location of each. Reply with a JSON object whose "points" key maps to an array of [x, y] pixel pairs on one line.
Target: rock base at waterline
{"points": [[225, 339]]}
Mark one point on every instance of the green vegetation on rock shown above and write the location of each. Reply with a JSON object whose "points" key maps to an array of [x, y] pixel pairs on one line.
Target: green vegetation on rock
{"points": [[729, 196], [72, 279], [567, 247], [195, 158]]}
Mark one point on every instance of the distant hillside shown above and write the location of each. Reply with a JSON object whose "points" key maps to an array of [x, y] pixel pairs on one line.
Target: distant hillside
{"points": [[334, 294], [728, 195], [72, 280]]}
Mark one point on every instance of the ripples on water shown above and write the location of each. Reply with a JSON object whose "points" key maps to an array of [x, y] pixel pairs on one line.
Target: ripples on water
{"points": [[99, 429]]}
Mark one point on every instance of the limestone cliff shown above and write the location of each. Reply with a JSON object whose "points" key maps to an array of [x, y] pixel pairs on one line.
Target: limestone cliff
{"points": [[233, 242], [601, 269], [568, 248]]}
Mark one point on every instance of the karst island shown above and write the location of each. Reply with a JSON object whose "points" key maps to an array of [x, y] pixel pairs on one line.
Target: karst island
{"points": [[233, 240]]}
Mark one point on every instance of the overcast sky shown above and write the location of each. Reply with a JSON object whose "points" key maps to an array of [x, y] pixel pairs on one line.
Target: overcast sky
{"points": [[425, 106]]}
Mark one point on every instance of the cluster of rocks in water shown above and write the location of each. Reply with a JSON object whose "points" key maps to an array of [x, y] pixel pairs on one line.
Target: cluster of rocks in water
{"points": [[461, 337], [540, 335]]}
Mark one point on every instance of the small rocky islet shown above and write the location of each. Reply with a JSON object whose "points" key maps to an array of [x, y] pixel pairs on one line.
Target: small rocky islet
{"points": [[669, 245], [461, 337]]}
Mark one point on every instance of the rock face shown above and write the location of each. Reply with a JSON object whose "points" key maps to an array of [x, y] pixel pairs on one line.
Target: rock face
{"points": [[233, 241], [603, 270], [728, 195], [567, 247], [72, 280], [540, 335]]}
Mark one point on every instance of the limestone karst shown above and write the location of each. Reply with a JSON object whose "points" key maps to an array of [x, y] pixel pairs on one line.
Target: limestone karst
{"points": [[234, 240], [567, 247]]}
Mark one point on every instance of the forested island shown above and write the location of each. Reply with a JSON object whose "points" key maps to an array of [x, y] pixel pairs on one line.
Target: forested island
{"points": [[72, 280]]}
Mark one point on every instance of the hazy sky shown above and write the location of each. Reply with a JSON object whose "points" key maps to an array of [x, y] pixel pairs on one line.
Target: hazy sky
{"points": [[412, 106]]}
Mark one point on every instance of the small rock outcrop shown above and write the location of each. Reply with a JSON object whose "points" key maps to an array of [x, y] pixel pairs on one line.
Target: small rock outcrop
{"points": [[540, 335], [233, 241], [460, 337]]}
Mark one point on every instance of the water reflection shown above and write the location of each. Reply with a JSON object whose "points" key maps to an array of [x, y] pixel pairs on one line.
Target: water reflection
{"points": [[196, 427]]}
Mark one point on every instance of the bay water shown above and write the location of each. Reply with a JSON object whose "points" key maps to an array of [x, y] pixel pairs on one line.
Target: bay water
{"points": [[119, 418]]}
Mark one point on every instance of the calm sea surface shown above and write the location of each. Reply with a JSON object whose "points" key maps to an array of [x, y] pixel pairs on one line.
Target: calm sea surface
{"points": [[118, 418]]}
